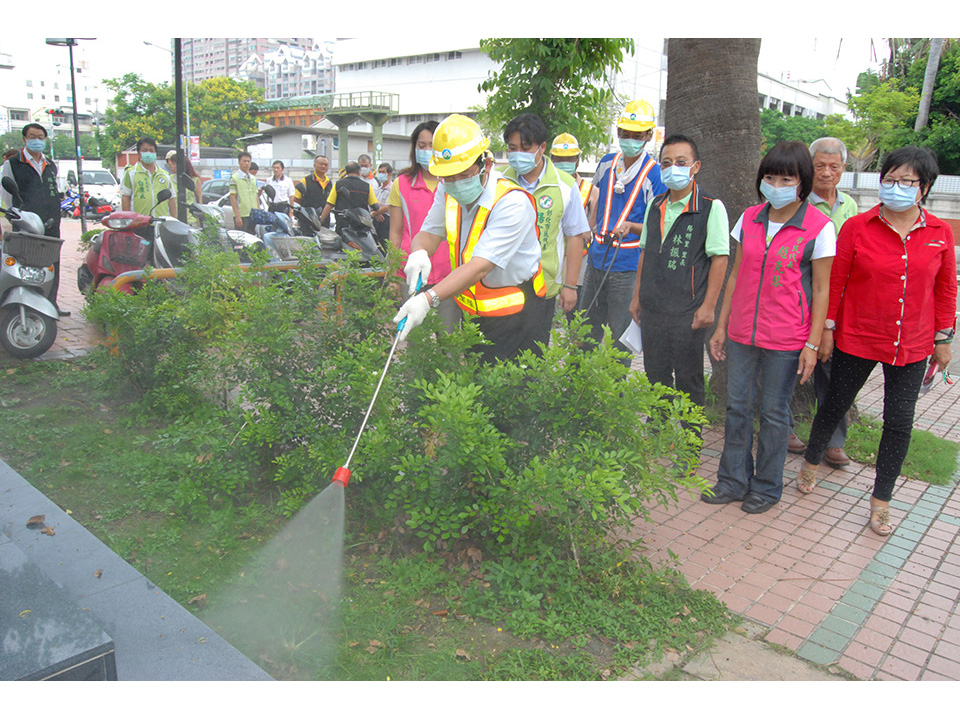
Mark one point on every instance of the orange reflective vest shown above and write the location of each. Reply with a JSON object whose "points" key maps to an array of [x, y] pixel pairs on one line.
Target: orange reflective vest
{"points": [[586, 187], [481, 299]]}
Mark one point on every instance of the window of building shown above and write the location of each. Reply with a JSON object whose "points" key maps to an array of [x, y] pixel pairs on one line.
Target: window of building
{"points": [[41, 83], [29, 83], [56, 86], [56, 98], [454, 55], [394, 61], [29, 96], [362, 66], [19, 114]]}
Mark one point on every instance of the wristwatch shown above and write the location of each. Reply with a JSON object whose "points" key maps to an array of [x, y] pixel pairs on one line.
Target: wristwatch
{"points": [[830, 325], [434, 298]]}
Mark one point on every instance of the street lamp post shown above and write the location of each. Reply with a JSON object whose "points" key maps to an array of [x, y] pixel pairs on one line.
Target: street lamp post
{"points": [[69, 43], [186, 88]]}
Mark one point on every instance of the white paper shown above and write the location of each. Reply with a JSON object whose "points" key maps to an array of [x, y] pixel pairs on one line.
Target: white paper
{"points": [[631, 338]]}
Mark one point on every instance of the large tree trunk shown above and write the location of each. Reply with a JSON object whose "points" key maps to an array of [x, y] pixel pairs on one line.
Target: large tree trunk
{"points": [[929, 78], [712, 98]]}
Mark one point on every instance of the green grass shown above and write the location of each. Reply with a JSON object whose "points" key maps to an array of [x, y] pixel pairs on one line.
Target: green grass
{"points": [[930, 458], [86, 442]]}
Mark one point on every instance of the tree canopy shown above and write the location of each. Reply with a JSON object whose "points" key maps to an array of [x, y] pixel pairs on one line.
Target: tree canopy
{"points": [[563, 80], [220, 112]]}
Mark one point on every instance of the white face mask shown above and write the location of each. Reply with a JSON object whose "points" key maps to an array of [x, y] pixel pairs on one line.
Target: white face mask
{"points": [[676, 177], [779, 197]]}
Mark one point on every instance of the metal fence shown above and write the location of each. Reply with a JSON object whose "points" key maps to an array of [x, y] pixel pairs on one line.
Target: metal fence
{"points": [[945, 184]]}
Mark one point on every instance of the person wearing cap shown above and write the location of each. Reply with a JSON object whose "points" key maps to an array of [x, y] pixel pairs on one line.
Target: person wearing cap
{"points": [[490, 223], [565, 154], [561, 219], [171, 160], [680, 272], [627, 181]]}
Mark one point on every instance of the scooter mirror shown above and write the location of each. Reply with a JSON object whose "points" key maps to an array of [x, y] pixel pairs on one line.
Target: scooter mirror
{"points": [[10, 185], [270, 191], [187, 182], [163, 195]]}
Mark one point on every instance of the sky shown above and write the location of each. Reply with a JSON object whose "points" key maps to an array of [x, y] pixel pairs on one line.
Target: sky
{"points": [[836, 60]]}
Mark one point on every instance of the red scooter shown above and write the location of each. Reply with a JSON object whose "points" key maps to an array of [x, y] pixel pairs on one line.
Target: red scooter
{"points": [[93, 207], [124, 246]]}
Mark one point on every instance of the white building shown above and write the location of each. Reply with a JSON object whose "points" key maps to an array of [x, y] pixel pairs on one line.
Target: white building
{"points": [[432, 78], [30, 87], [443, 77], [289, 71]]}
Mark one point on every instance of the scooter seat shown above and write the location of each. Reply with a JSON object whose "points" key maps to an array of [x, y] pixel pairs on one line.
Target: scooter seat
{"points": [[175, 232]]}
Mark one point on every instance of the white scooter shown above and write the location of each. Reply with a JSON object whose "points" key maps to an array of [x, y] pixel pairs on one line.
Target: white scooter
{"points": [[28, 320]]}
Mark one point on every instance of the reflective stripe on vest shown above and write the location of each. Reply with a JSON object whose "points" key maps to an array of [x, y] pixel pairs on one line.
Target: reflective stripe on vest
{"points": [[605, 225], [585, 187], [480, 299]]}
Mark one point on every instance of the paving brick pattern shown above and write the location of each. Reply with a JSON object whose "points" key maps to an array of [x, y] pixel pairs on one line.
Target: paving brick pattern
{"points": [[813, 572], [809, 569]]}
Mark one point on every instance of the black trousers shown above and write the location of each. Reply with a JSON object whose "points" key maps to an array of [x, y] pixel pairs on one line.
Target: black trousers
{"points": [[901, 387], [54, 232], [673, 352], [512, 334]]}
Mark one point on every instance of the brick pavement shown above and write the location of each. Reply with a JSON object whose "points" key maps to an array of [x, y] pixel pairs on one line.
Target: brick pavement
{"points": [[809, 570]]}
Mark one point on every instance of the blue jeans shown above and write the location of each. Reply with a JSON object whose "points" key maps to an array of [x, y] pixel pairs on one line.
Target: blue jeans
{"points": [[774, 372], [612, 307]]}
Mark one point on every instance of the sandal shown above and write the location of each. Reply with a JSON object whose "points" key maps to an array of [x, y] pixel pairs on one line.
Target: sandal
{"points": [[807, 478], [880, 519]]}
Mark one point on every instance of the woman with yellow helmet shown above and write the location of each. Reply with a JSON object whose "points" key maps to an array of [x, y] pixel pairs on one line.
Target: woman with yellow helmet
{"points": [[490, 225]]}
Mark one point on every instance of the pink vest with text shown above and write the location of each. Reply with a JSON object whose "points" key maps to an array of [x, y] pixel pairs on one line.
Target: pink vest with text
{"points": [[774, 292], [415, 201]]}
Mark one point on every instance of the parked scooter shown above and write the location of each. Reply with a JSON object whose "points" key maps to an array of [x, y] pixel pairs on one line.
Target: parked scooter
{"points": [[28, 320], [68, 203], [355, 228], [124, 245], [94, 208]]}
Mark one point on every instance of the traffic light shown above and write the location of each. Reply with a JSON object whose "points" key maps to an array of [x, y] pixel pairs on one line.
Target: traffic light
{"points": [[56, 117]]}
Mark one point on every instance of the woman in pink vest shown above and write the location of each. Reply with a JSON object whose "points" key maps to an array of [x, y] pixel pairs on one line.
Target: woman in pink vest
{"points": [[410, 199], [769, 328]]}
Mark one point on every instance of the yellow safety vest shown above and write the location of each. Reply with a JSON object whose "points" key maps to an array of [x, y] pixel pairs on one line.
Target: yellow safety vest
{"points": [[480, 299]]}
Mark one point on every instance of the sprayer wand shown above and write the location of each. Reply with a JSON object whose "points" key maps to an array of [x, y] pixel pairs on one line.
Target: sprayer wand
{"points": [[342, 474]]}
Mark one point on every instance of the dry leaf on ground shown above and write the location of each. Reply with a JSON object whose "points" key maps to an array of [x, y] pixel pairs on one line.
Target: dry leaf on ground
{"points": [[49, 531], [37, 520]]}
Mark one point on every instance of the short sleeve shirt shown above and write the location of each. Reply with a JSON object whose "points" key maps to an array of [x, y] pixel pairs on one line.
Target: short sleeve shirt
{"points": [[332, 197], [824, 246], [142, 187], [509, 240], [717, 224]]}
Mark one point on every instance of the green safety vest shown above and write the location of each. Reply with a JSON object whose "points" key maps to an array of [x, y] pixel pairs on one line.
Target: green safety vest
{"points": [[246, 191], [145, 187], [550, 197]]}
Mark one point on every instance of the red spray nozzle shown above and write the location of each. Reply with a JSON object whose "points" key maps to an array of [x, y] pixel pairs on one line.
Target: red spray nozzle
{"points": [[342, 476]]}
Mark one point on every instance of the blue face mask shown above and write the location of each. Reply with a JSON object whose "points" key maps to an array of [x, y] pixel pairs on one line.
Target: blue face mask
{"points": [[676, 177], [632, 148], [897, 198], [567, 167], [36, 145], [778, 197], [423, 158], [148, 158], [464, 191], [381, 178], [522, 162]]}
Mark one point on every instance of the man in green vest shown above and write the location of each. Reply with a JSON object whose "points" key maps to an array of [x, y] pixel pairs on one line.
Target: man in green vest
{"points": [[243, 193], [561, 219], [143, 181]]}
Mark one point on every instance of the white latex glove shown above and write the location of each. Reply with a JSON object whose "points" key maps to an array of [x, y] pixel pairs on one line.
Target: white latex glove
{"points": [[418, 265], [414, 310]]}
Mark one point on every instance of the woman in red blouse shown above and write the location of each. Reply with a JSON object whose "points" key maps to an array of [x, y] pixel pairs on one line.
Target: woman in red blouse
{"points": [[893, 295]]}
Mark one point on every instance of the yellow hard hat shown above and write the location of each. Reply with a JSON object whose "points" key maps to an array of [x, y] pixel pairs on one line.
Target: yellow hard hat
{"points": [[457, 143], [637, 116], [565, 145]]}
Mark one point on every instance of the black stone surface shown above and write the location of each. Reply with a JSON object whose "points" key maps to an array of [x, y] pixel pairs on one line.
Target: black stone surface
{"points": [[43, 634]]}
